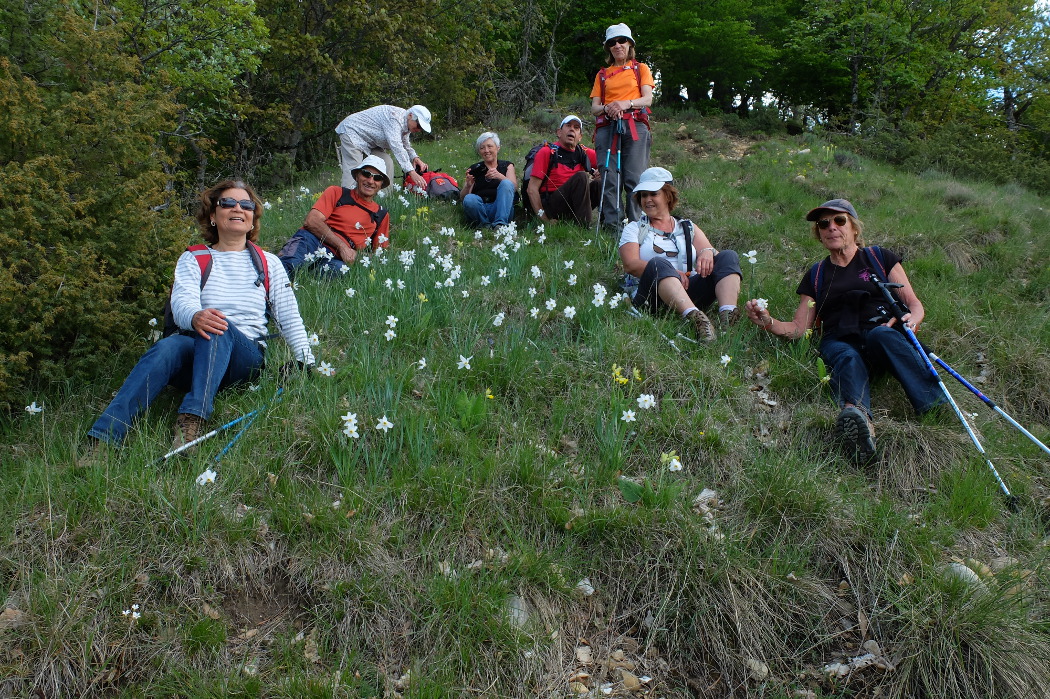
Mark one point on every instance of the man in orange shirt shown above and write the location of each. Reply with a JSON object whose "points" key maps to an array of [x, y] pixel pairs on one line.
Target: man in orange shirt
{"points": [[620, 102], [341, 223]]}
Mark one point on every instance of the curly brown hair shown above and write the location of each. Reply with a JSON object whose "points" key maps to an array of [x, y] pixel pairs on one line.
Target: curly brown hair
{"points": [[209, 200], [672, 196]]}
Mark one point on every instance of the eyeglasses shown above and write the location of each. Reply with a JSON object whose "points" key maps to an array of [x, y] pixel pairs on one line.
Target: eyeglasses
{"points": [[230, 202], [618, 40], [839, 220], [369, 175]]}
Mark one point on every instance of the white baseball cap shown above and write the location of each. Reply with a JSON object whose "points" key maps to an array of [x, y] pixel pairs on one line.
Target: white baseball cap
{"points": [[618, 30], [653, 180], [376, 162], [422, 115], [571, 117]]}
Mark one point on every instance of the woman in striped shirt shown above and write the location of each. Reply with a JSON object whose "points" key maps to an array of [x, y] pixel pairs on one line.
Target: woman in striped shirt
{"points": [[220, 301]]}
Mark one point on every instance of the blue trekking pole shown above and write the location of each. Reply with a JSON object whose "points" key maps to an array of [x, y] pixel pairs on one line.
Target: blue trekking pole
{"points": [[605, 174], [240, 432], [250, 417], [987, 401], [619, 147], [899, 310]]}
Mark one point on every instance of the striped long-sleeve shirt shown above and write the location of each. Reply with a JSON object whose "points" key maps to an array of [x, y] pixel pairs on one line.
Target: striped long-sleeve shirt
{"points": [[231, 289], [384, 127]]}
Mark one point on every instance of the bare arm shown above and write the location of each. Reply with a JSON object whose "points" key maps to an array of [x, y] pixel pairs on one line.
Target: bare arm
{"points": [[534, 196], [705, 253], [908, 296], [805, 314], [316, 224]]}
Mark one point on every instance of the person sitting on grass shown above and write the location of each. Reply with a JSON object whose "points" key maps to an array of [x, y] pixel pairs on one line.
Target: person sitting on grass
{"points": [[857, 337], [489, 186], [220, 301], [341, 223], [676, 265], [564, 180]]}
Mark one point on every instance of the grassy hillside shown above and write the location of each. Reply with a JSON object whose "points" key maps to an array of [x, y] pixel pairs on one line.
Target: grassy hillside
{"points": [[512, 535]]}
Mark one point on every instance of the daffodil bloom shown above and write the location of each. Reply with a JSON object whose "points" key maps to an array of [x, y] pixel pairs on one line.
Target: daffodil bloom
{"points": [[502, 272], [325, 369], [208, 476], [351, 431], [551, 304], [349, 418], [267, 205], [674, 465], [752, 256], [761, 304], [534, 312], [153, 322], [350, 293], [569, 264], [726, 359], [536, 273], [422, 297], [400, 284], [646, 401], [390, 334], [488, 394], [391, 321], [465, 293], [422, 363], [384, 425], [388, 283], [570, 312], [628, 416], [314, 340], [464, 362], [485, 281], [498, 320], [532, 292], [636, 374], [572, 280], [33, 408]]}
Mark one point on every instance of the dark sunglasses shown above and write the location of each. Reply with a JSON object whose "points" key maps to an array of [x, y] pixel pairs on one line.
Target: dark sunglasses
{"points": [[230, 202], [369, 175], [839, 220], [618, 40]]}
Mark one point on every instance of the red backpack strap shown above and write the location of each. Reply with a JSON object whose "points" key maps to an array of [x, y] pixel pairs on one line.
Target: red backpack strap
{"points": [[202, 254], [602, 75], [262, 267]]}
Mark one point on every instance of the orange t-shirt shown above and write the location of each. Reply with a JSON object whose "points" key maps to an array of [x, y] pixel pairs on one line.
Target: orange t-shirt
{"points": [[352, 222], [620, 83]]}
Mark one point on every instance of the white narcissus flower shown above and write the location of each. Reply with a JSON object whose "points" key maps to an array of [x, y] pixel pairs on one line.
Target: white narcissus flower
{"points": [[208, 476], [422, 363], [350, 293], [572, 280], [502, 272], [628, 416], [536, 273], [464, 362], [498, 320], [314, 340], [400, 284], [384, 425], [33, 408], [674, 465], [551, 304], [761, 304], [465, 293], [391, 321], [752, 256], [570, 312], [388, 283], [485, 281], [542, 239], [477, 235], [726, 359], [325, 369], [647, 401], [267, 205], [153, 322], [532, 292], [358, 226], [534, 312], [569, 264], [389, 334]]}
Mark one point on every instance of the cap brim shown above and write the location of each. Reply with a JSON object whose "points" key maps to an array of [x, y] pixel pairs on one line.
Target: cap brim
{"points": [[815, 213]]}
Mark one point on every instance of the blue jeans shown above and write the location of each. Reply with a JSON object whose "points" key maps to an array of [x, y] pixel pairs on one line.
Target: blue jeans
{"points": [[496, 213], [189, 363], [852, 359], [303, 243]]}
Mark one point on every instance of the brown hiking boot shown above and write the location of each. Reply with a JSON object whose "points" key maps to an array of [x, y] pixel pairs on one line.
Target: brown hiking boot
{"points": [[856, 434], [727, 318], [705, 332], [187, 428]]}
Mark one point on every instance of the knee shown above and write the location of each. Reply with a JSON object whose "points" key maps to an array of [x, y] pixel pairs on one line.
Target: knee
{"points": [[727, 262], [505, 186], [661, 267]]}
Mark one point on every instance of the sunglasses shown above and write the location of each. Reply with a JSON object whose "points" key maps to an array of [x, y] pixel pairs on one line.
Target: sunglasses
{"points": [[840, 221], [618, 40], [230, 202], [369, 175]]}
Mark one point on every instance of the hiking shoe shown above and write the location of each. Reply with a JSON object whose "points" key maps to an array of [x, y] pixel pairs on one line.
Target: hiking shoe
{"points": [[705, 332], [187, 428], [856, 433], [727, 318], [91, 454]]}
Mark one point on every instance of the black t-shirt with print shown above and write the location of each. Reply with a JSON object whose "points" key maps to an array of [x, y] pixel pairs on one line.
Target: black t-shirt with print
{"points": [[848, 300]]}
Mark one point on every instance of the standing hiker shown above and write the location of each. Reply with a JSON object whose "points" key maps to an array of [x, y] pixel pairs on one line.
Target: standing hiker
{"points": [[382, 131], [620, 102]]}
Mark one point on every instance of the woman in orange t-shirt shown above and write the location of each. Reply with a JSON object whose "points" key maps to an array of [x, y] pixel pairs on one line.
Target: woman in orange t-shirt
{"points": [[620, 102]]}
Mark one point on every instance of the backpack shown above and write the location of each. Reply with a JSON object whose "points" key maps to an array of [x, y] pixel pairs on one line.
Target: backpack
{"points": [[579, 158], [817, 272], [640, 114], [440, 185], [202, 254], [347, 199]]}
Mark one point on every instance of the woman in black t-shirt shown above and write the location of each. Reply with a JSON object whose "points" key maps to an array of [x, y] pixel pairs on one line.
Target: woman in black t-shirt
{"points": [[488, 191], [857, 334]]}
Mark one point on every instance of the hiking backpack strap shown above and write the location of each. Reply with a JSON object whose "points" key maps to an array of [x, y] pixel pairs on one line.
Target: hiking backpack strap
{"points": [[262, 268], [202, 254], [347, 199], [687, 229]]}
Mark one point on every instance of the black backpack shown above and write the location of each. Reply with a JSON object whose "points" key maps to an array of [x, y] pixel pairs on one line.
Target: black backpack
{"points": [[579, 158]]}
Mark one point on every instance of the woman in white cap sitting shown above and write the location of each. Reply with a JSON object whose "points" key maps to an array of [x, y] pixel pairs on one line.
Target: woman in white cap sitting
{"points": [[383, 131], [620, 102], [342, 223], [676, 265]]}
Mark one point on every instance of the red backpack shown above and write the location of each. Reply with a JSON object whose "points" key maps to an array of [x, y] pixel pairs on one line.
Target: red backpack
{"points": [[440, 185]]}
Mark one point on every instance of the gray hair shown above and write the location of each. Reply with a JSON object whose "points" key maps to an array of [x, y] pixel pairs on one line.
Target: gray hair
{"points": [[485, 137]]}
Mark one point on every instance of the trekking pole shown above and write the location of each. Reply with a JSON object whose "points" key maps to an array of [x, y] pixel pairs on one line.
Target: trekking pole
{"points": [[217, 430], [605, 175], [638, 314], [240, 432], [987, 401], [899, 310], [619, 147]]}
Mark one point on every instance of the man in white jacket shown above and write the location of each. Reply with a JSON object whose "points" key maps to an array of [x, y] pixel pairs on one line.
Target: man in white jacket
{"points": [[382, 131]]}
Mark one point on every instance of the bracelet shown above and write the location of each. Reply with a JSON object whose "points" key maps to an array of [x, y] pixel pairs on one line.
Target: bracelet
{"points": [[632, 104], [703, 250]]}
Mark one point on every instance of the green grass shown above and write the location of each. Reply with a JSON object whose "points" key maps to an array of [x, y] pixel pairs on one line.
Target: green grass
{"points": [[334, 566]]}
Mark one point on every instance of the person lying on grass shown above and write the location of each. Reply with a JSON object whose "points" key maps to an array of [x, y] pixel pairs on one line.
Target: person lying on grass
{"points": [[219, 302], [676, 266], [857, 337]]}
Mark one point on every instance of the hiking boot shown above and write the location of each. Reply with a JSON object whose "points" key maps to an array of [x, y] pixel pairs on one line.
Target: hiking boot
{"points": [[727, 317], [705, 332], [91, 455], [856, 433], [187, 428]]}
